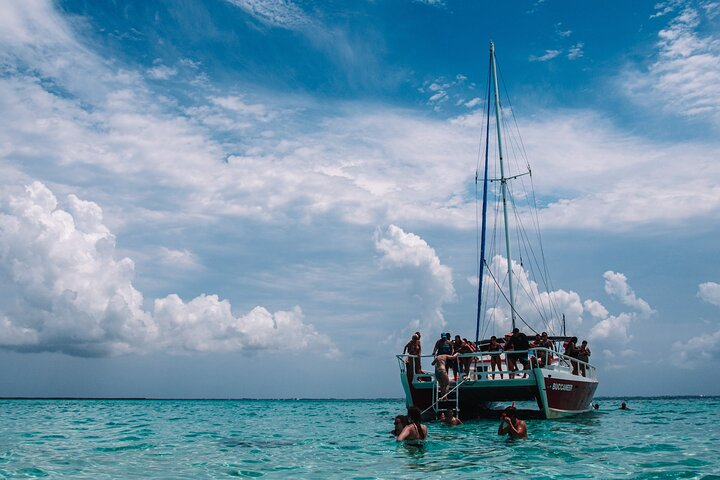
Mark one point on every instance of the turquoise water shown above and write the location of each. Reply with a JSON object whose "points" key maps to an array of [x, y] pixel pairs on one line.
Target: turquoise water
{"points": [[104, 439]]}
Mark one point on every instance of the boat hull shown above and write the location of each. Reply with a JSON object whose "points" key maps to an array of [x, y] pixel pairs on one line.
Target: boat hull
{"points": [[558, 393], [562, 394]]}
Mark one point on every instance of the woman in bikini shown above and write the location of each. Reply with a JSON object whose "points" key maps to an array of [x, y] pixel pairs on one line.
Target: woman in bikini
{"points": [[495, 357], [415, 432]]}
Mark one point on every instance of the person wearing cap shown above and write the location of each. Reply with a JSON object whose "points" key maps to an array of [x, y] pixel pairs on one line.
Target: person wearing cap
{"points": [[414, 350], [511, 425], [443, 346]]}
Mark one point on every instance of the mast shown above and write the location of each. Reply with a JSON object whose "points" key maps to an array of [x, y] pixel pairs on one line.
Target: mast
{"points": [[503, 184], [483, 227]]}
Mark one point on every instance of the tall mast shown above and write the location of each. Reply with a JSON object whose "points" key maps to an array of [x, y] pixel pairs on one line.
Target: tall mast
{"points": [[503, 183], [483, 227]]}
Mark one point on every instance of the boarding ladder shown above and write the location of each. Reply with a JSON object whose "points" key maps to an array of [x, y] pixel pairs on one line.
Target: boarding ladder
{"points": [[450, 400]]}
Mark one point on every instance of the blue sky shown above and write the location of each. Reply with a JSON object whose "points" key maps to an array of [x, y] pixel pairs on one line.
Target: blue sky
{"points": [[235, 198]]}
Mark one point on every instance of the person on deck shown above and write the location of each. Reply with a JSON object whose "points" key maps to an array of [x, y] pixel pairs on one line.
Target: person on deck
{"points": [[458, 364], [571, 350], [544, 357], [466, 348], [495, 350], [413, 347], [584, 356], [415, 431], [443, 346], [518, 342], [511, 425]]}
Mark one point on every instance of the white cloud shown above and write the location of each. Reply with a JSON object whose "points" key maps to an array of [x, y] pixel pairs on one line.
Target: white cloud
{"points": [[74, 297], [617, 327], [710, 292], [433, 3], [533, 303], [276, 13], [183, 259], [560, 32], [363, 165], [431, 281], [576, 51], [704, 347], [473, 102], [548, 55], [616, 286], [683, 78], [161, 72], [700, 349]]}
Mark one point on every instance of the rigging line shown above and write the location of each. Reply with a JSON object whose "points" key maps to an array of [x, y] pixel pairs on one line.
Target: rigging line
{"points": [[522, 234], [517, 142], [517, 128], [508, 300], [547, 276]]}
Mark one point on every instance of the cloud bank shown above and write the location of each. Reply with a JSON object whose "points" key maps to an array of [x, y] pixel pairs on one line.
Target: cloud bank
{"points": [[74, 297]]}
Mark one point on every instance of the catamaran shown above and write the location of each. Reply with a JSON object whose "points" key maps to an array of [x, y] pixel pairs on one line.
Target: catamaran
{"points": [[561, 385]]}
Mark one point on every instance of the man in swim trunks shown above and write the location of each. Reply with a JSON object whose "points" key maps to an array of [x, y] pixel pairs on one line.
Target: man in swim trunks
{"points": [[511, 425]]}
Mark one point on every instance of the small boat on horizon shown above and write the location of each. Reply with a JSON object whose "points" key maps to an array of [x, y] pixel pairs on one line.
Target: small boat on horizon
{"points": [[561, 384]]}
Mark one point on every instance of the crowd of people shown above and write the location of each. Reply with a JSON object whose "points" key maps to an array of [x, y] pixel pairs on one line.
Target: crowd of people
{"points": [[449, 355], [581, 353]]}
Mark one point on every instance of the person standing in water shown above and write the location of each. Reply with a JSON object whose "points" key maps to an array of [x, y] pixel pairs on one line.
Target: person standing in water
{"points": [[415, 430], [511, 425]]}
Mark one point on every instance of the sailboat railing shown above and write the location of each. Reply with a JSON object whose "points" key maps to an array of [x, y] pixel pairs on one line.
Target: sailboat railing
{"points": [[480, 365]]}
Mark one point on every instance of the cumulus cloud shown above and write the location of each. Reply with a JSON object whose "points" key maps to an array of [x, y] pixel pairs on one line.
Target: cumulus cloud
{"points": [[709, 292], [616, 285], [431, 281], [586, 317], [617, 326], [531, 301], [75, 297]]}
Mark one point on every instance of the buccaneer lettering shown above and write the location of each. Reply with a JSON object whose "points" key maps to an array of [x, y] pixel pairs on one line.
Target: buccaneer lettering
{"points": [[565, 387]]}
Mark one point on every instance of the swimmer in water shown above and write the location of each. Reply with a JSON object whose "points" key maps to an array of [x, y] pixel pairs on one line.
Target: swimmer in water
{"points": [[401, 421], [511, 425], [451, 418], [623, 406], [415, 432]]}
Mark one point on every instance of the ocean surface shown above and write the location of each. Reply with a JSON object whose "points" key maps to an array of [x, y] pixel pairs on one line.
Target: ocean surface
{"points": [[196, 439]]}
